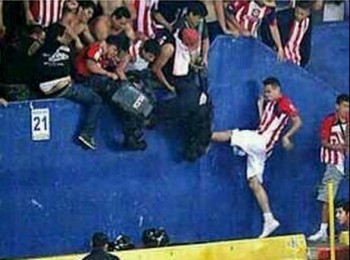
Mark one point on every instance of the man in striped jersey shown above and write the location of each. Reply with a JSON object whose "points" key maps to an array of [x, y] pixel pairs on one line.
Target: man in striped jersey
{"points": [[334, 135], [275, 110], [46, 12], [295, 28], [245, 16]]}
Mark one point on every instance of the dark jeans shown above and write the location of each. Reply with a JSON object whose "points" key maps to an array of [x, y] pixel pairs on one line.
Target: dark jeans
{"points": [[105, 87], [79, 94]]}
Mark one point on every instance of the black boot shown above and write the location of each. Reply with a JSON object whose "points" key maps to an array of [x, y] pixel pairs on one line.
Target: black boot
{"points": [[134, 144]]}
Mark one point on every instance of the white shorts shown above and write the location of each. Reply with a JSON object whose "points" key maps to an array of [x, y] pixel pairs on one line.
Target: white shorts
{"points": [[254, 146]]}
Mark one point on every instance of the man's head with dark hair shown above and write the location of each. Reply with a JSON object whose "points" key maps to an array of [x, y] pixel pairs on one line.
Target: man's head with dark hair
{"points": [[70, 6], [195, 12], [99, 240], [342, 106], [302, 9], [150, 50], [120, 17], [120, 40], [272, 88], [117, 45], [54, 31], [342, 212], [58, 32], [86, 11], [342, 98]]}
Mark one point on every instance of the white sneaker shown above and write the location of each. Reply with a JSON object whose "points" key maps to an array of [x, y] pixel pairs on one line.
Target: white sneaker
{"points": [[269, 227], [319, 236]]}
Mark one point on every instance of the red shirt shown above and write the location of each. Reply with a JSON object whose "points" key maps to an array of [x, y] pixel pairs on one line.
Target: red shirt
{"points": [[95, 52], [334, 132], [249, 14], [274, 118]]}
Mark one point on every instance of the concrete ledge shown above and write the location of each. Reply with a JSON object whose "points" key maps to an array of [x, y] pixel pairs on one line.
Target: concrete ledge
{"points": [[281, 248]]}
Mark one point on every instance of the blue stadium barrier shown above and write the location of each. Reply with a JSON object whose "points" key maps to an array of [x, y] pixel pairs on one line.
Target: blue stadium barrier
{"points": [[54, 194], [330, 54]]}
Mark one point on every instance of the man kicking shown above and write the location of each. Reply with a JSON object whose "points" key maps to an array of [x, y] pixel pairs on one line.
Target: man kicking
{"points": [[275, 110]]}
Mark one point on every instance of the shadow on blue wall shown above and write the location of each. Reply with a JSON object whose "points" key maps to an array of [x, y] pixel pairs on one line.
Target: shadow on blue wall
{"points": [[53, 194]]}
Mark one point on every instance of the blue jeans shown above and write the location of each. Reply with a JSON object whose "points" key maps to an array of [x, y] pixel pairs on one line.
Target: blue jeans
{"points": [[105, 88], [93, 102]]}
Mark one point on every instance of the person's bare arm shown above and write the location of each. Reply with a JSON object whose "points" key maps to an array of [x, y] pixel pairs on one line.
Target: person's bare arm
{"points": [[29, 16], [277, 39], [3, 102], [296, 124], [318, 4], [166, 52], [220, 14], [87, 35], [205, 50], [2, 26], [260, 104], [130, 33], [160, 19], [94, 68]]}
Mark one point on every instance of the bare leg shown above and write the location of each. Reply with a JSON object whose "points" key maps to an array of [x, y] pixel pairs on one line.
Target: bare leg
{"points": [[325, 212], [221, 136], [260, 194]]}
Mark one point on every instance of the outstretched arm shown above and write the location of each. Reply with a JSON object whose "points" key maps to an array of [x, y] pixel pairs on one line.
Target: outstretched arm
{"points": [[296, 124]]}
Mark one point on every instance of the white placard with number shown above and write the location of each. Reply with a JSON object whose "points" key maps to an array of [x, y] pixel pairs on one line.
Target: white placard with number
{"points": [[40, 124]]}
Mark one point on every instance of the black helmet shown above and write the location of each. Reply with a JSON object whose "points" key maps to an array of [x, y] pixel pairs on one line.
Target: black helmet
{"points": [[121, 242], [155, 237]]}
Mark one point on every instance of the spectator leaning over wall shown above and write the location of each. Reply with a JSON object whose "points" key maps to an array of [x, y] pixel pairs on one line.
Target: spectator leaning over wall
{"points": [[275, 110], [295, 28], [119, 22], [78, 21], [195, 18], [96, 67], [99, 244], [190, 106], [334, 133], [52, 73], [244, 18], [16, 64]]}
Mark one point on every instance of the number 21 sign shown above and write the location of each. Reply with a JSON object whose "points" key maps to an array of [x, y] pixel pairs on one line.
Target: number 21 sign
{"points": [[40, 124]]}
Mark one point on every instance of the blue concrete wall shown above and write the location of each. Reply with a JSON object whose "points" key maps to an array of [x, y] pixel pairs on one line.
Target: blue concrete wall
{"points": [[53, 194], [330, 54]]}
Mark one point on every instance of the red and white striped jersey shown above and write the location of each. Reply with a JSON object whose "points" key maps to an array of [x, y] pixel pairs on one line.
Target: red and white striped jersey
{"points": [[296, 34], [273, 120], [46, 12], [136, 62], [249, 14], [143, 22], [334, 132]]}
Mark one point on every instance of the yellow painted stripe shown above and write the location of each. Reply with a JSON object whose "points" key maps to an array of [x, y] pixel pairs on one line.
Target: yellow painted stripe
{"points": [[344, 238], [291, 247]]}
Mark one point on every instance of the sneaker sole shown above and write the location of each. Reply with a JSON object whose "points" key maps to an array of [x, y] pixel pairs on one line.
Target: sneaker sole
{"points": [[87, 144]]}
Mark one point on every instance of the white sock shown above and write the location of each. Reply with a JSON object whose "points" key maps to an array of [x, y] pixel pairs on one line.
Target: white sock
{"points": [[323, 228], [268, 217]]}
